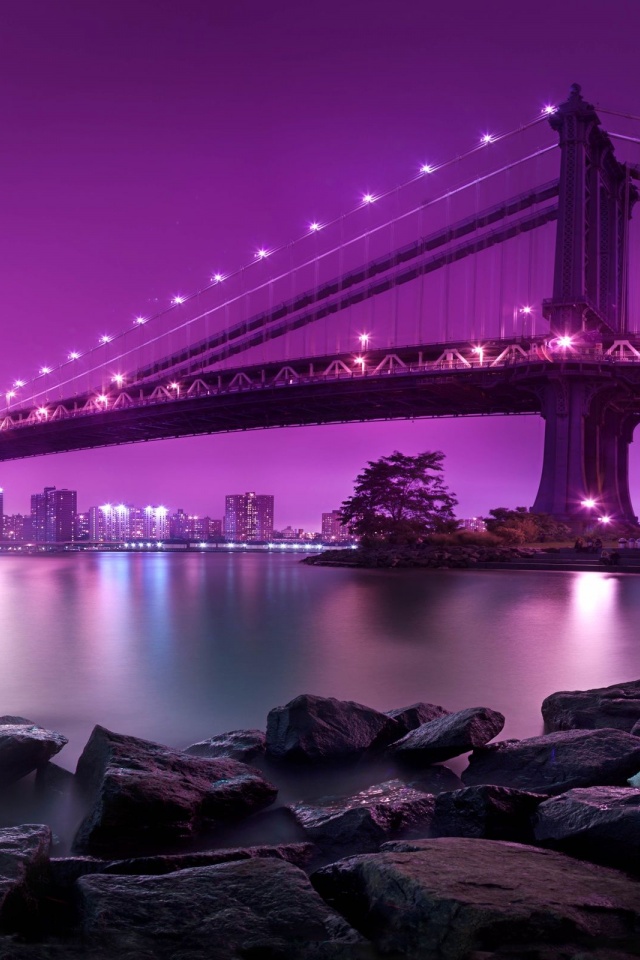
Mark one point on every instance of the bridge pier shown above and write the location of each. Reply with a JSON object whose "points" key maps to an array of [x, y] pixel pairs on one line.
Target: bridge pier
{"points": [[586, 451]]}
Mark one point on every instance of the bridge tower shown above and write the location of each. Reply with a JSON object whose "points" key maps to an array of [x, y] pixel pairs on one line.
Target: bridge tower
{"points": [[587, 436]]}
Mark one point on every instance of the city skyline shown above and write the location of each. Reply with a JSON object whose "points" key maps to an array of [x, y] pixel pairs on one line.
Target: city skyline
{"points": [[146, 180]]}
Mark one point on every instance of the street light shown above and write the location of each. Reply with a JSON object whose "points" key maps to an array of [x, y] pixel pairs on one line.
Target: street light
{"points": [[480, 352]]}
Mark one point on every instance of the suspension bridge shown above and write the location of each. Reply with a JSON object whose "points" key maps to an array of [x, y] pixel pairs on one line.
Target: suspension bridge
{"points": [[494, 283]]}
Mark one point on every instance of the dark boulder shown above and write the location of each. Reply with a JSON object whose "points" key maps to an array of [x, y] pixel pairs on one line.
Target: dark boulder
{"points": [[616, 707], [360, 823], [64, 871], [24, 747], [254, 909], [416, 714], [24, 854], [243, 745], [143, 792], [557, 762], [449, 897], [598, 823], [311, 728], [449, 736], [487, 812]]}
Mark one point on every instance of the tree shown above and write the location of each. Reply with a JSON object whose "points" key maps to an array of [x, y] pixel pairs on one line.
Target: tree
{"points": [[521, 526], [400, 499]]}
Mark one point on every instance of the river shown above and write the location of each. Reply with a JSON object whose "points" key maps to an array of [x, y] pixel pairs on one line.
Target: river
{"points": [[176, 648]]}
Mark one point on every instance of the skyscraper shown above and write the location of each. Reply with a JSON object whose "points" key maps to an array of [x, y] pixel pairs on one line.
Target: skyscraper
{"points": [[53, 515], [248, 517], [333, 530]]}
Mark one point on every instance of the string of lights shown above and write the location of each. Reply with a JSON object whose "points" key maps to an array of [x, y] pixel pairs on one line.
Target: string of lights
{"points": [[261, 254]]}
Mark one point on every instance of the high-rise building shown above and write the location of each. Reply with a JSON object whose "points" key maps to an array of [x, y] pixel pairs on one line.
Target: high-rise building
{"points": [[1, 513], [16, 527], [333, 530], [53, 515], [248, 517]]}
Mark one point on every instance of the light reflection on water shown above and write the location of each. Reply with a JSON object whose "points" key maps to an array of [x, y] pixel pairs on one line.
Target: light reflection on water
{"points": [[180, 647]]}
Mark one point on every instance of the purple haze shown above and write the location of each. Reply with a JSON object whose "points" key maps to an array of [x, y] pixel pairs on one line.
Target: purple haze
{"points": [[148, 144]]}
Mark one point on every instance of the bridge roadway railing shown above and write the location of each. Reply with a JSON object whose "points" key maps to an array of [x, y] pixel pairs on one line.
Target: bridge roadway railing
{"points": [[458, 359]]}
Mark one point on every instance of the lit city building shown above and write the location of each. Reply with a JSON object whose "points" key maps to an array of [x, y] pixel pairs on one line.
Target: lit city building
{"points": [[82, 526], [156, 523], [248, 517], [53, 515], [476, 524], [17, 527], [333, 530]]}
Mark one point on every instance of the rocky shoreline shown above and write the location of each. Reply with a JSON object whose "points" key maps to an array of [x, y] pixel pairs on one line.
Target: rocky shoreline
{"points": [[534, 852]]}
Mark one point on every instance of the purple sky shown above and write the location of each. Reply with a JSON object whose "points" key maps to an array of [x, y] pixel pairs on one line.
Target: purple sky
{"points": [[147, 143]]}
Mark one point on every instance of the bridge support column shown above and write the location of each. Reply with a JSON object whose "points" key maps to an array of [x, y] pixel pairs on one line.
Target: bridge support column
{"points": [[586, 452]]}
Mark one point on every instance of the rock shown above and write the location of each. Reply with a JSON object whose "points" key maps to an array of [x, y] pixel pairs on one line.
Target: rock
{"points": [[557, 762], [360, 823], [251, 909], [488, 812], [144, 792], [449, 736], [53, 780], [448, 897], [416, 714], [322, 728], [24, 853], [64, 871], [24, 746], [616, 707], [598, 823], [240, 745]]}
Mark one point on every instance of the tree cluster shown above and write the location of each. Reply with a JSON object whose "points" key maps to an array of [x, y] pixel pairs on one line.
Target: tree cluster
{"points": [[520, 526], [400, 499]]}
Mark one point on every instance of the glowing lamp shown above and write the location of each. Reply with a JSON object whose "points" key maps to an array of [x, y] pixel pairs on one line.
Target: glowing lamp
{"points": [[19, 383], [217, 278], [604, 519], [426, 168], [368, 198], [262, 253], [487, 138], [177, 300], [45, 369], [589, 503], [141, 320], [314, 227], [74, 355], [564, 341], [549, 109]]}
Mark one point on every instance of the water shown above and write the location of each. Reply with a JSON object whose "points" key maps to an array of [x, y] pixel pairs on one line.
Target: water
{"points": [[176, 648]]}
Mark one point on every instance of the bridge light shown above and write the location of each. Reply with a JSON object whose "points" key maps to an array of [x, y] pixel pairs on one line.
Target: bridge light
{"points": [[564, 341], [141, 320], [105, 338], [217, 278], [589, 503], [10, 394], [315, 226], [45, 369], [177, 300], [549, 109], [364, 340], [175, 386], [487, 138], [480, 352], [74, 355], [368, 198], [361, 361], [43, 411], [604, 519], [426, 168], [103, 399], [262, 253], [119, 379], [527, 310], [18, 383]]}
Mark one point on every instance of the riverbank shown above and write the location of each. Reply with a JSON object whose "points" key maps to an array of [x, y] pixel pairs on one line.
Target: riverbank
{"points": [[473, 557]]}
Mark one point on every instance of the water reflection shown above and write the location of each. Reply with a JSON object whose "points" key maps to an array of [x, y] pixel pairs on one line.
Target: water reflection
{"points": [[179, 647]]}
